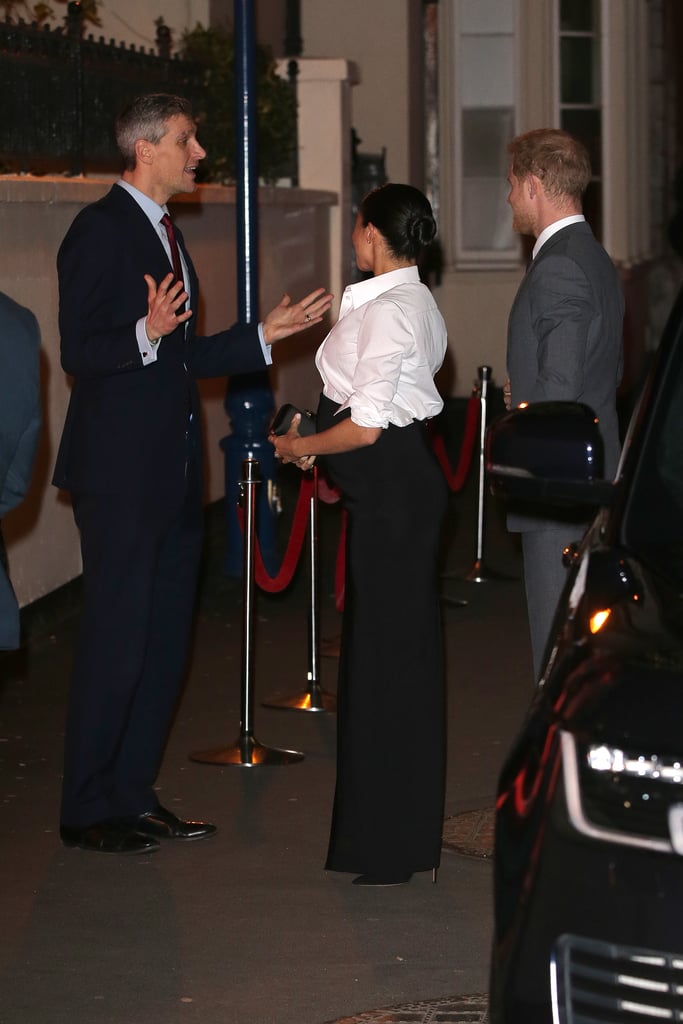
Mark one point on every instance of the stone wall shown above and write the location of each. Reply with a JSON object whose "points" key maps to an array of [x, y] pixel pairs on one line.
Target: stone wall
{"points": [[35, 213]]}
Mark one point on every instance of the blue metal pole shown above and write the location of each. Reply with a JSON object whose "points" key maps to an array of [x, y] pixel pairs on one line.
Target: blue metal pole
{"points": [[247, 175], [249, 400]]}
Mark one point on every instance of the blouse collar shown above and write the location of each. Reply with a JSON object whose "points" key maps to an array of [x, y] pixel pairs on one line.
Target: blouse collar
{"points": [[356, 295]]}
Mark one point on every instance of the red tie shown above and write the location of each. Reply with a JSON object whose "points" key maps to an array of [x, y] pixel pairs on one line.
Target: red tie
{"points": [[175, 252]]}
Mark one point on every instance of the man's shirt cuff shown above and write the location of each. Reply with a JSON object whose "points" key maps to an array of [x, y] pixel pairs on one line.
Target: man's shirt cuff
{"points": [[148, 349], [264, 347]]}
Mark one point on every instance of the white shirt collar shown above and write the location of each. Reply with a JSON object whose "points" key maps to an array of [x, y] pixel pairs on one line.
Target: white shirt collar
{"points": [[148, 206], [553, 228], [356, 295]]}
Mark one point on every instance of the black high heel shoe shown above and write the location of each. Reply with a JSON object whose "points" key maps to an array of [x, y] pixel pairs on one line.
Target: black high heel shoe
{"points": [[383, 880]]}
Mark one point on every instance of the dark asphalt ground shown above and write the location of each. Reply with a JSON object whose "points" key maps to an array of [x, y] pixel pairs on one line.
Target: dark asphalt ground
{"points": [[248, 927]]}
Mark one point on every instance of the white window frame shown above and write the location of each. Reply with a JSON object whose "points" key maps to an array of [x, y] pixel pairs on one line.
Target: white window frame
{"points": [[471, 259], [603, 105]]}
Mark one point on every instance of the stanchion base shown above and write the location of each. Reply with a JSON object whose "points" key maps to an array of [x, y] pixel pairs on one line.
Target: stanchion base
{"points": [[454, 602], [482, 573], [247, 753], [309, 700]]}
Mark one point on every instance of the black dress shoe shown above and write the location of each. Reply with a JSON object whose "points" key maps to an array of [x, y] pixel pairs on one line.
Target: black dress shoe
{"points": [[107, 837], [163, 824], [383, 880]]}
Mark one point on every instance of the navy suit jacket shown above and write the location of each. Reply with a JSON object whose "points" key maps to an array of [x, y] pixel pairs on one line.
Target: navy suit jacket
{"points": [[127, 424], [19, 432], [565, 336]]}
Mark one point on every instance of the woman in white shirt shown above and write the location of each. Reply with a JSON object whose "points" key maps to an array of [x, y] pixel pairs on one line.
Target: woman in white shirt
{"points": [[377, 366]]}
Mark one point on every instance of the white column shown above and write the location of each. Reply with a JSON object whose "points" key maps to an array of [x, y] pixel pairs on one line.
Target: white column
{"points": [[324, 124]]}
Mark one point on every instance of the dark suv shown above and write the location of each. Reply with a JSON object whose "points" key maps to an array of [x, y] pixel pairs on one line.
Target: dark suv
{"points": [[589, 814]]}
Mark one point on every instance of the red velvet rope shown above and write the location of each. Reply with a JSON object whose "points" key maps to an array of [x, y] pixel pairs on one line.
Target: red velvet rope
{"points": [[456, 480], [328, 494], [273, 584]]}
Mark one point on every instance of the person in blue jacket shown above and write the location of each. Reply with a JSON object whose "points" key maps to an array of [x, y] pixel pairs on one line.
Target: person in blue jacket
{"points": [[20, 420]]}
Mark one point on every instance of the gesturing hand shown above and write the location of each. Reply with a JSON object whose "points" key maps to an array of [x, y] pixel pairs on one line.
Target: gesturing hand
{"points": [[162, 303], [289, 318]]}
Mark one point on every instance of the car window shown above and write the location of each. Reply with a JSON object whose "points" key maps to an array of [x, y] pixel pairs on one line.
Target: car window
{"points": [[653, 520]]}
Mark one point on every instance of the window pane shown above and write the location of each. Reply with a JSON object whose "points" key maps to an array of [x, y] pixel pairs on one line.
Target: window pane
{"points": [[485, 135], [487, 220], [486, 16], [487, 73], [587, 126], [485, 84], [578, 16], [580, 80]]}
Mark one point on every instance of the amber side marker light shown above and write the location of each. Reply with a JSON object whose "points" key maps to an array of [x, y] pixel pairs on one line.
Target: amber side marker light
{"points": [[598, 619]]}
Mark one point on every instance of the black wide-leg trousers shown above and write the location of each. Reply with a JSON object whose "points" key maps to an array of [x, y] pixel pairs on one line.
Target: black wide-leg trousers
{"points": [[388, 806]]}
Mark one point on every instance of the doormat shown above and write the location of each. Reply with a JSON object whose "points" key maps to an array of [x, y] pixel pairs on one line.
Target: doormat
{"points": [[470, 833], [469, 1009]]}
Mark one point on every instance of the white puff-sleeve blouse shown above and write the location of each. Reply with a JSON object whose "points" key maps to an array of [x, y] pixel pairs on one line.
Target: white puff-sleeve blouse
{"points": [[380, 357]]}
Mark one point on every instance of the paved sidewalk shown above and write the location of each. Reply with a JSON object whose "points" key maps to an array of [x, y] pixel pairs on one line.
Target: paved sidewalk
{"points": [[471, 835], [248, 927]]}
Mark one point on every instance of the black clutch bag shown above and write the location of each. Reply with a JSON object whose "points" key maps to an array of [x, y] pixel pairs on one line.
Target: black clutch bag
{"points": [[284, 416]]}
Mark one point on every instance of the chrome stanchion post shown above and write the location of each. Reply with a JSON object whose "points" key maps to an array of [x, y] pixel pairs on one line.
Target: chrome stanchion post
{"points": [[476, 573], [248, 752], [314, 698], [480, 572]]}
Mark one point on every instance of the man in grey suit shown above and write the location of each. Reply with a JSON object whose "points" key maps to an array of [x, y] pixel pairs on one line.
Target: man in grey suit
{"points": [[19, 432], [564, 338]]}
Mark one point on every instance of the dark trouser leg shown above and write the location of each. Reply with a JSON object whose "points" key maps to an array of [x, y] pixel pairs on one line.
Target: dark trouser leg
{"points": [[120, 678], [544, 580], [165, 663], [388, 807]]}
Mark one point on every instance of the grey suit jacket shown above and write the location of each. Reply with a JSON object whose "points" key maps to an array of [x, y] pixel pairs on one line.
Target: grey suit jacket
{"points": [[19, 432], [565, 336]]}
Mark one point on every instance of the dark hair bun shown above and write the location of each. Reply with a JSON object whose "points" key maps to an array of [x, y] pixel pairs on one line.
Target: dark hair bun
{"points": [[404, 217], [422, 231]]}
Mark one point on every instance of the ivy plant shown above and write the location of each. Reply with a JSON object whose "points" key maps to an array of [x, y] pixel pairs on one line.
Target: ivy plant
{"points": [[44, 12], [212, 49]]}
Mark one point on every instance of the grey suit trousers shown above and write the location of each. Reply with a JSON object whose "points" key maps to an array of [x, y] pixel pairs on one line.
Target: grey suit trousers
{"points": [[544, 580]]}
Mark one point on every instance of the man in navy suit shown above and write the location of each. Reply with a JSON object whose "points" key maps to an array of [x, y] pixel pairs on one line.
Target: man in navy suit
{"points": [[564, 337], [130, 455], [19, 433]]}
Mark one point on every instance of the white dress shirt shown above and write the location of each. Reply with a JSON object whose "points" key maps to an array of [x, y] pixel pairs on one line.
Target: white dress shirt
{"points": [[380, 357]]}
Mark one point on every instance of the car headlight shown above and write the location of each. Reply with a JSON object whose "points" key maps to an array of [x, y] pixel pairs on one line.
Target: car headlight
{"points": [[622, 796]]}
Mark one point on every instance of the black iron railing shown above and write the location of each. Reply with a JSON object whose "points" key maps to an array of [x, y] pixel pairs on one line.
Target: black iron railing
{"points": [[61, 93]]}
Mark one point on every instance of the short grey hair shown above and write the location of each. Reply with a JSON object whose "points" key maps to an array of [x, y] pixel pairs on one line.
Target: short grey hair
{"points": [[145, 117]]}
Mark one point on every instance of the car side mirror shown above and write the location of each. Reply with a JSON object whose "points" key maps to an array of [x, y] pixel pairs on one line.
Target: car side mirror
{"points": [[550, 452]]}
